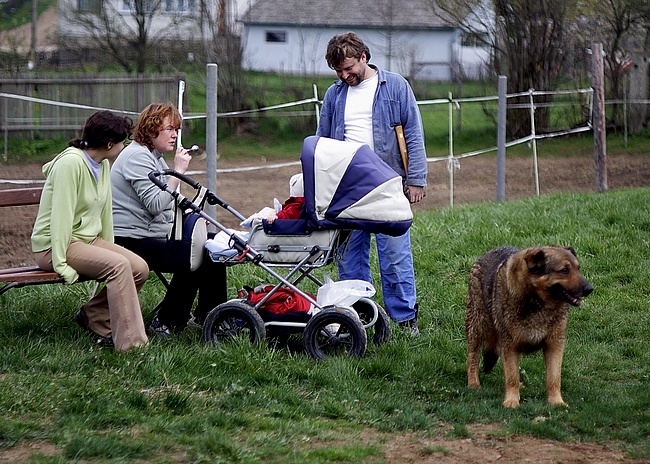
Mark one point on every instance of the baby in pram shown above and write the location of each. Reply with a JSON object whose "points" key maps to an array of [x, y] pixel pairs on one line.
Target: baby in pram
{"points": [[292, 208]]}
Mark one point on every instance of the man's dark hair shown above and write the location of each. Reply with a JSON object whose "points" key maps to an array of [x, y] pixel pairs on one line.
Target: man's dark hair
{"points": [[343, 46]]}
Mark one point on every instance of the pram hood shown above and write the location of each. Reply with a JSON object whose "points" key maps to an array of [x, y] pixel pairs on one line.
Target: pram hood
{"points": [[347, 185]]}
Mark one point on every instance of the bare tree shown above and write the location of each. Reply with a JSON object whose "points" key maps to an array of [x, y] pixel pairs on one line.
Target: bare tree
{"points": [[621, 26], [399, 51], [222, 45], [123, 30], [528, 37]]}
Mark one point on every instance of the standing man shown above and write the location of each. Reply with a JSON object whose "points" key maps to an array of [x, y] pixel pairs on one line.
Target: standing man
{"points": [[366, 105]]}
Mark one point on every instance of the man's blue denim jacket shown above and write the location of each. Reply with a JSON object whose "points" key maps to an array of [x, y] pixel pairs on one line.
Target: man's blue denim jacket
{"points": [[394, 104]]}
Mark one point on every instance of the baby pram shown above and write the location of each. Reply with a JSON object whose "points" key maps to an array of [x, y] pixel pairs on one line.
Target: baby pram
{"points": [[347, 186]]}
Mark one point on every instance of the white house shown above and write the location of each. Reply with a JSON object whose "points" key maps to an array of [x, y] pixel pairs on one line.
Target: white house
{"points": [[291, 36], [165, 19], [404, 36]]}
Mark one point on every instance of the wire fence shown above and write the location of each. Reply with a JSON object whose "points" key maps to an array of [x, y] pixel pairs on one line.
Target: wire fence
{"points": [[468, 125]]}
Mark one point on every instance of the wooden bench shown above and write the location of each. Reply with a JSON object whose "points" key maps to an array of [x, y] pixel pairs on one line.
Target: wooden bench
{"points": [[17, 277], [27, 275]]}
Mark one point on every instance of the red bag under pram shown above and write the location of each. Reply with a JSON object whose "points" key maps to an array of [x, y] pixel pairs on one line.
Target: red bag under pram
{"points": [[283, 301]]}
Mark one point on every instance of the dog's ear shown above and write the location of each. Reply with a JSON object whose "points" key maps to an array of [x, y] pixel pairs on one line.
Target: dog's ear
{"points": [[535, 260], [571, 250], [567, 248]]}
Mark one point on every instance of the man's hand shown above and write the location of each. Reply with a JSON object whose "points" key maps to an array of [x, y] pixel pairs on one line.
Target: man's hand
{"points": [[415, 193]]}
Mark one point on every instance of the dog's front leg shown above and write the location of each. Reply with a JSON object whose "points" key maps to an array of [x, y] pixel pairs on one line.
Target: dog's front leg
{"points": [[553, 354], [510, 358]]}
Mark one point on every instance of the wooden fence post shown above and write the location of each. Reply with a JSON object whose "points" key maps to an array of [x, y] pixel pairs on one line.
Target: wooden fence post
{"points": [[598, 120]]}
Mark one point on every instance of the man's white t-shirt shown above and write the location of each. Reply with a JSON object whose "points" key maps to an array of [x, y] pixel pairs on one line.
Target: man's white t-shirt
{"points": [[358, 111]]}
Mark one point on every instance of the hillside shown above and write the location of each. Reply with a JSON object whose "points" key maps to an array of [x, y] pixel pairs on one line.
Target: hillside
{"points": [[19, 40]]}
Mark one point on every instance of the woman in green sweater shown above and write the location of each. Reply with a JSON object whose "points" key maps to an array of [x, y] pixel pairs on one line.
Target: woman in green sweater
{"points": [[73, 232]]}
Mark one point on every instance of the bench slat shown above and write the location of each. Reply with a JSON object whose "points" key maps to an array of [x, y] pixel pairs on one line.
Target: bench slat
{"points": [[24, 276], [30, 276], [20, 197], [13, 270]]}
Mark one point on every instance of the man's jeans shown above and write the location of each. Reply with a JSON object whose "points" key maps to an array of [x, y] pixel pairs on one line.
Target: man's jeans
{"points": [[395, 268]]}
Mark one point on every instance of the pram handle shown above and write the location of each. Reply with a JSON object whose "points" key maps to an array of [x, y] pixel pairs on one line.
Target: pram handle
{"points": [[210, 197], [154, 177], [184, 203]]}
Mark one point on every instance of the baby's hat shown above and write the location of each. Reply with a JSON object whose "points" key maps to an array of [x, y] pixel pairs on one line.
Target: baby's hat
{"points": [[296, 188]]}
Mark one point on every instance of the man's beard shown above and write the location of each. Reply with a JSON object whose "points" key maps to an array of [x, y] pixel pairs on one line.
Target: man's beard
{"points": [[353, 80]]}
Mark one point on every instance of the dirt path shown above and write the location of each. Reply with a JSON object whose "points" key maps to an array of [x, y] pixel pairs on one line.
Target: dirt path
{"points": [[249, 191], [486, 445]]}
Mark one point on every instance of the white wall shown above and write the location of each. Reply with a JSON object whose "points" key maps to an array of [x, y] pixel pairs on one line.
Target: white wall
{"points": [[474, 61], [304, 50]]}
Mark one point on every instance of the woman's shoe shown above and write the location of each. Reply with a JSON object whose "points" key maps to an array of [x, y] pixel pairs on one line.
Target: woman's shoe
{"points": [[80, 319]]}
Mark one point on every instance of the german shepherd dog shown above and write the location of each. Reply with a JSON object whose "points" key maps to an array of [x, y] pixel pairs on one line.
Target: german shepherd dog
{"points": [[518, 302]]}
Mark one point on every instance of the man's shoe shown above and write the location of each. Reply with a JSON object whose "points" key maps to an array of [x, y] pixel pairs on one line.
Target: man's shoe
{"points": [[410, 327], [99, 339], [159, 329]]}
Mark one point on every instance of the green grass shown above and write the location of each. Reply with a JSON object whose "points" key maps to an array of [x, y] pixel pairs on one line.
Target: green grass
{"points": [[180, 400], [21, 15], [273, 143]]}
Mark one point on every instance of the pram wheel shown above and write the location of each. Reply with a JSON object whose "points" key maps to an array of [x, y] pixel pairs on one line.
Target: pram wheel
{"points": [[334, 331], [374, 319], [233, 319]]}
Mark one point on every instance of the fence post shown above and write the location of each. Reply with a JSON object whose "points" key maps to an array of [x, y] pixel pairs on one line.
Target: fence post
{"points": [[211, 137], [450, 162], [139, 93], [501, 138], [533, 135], [179, 107], [5, 117], [316, 105], [600, 144]]}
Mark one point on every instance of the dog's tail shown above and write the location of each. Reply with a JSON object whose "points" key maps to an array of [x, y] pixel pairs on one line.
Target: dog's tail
{"points": [[490, 359]]}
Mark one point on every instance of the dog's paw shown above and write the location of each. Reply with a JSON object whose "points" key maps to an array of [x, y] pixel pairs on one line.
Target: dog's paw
{"points": [[511, 402], [558, 402]]}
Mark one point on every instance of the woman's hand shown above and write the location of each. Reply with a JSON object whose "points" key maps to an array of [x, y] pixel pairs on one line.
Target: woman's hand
{"points": [[182, 160]]}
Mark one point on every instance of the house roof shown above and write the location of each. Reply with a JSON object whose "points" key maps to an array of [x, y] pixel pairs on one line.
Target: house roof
{"points": [[410, 14]]}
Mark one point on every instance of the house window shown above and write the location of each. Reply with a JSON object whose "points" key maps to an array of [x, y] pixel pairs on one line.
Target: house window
{"points": [[89, 6], [180, 6], [146, 6], [475, 39], [276, 36], [150, 6]]}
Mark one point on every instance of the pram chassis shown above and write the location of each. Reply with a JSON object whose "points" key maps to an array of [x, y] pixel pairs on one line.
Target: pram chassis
{"points": [[330, 330]]}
